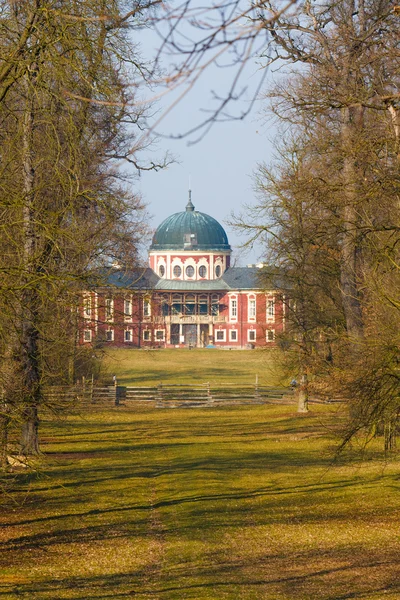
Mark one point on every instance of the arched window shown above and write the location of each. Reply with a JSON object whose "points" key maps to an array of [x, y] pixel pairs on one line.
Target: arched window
{"points": [[161, 270], [218, 271], [190, 304], [215, 305], [203, 304], [176, 307], [189, 271], [177, 271], [202, 271]]}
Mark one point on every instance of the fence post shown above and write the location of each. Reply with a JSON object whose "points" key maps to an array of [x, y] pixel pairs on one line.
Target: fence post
{"points": [[116, 391], [209, 394], [257, 394], [92, 389], [159, 394]]}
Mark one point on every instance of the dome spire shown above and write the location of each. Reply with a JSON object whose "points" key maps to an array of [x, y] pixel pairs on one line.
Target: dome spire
{"points": [[189, 205]]}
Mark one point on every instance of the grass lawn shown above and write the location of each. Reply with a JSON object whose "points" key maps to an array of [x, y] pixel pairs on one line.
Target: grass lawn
{"points": [[150, 367], [224, 503]]}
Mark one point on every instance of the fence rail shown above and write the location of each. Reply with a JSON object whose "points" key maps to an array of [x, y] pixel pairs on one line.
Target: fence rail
{"points": [[171, 395], [165, 395]]}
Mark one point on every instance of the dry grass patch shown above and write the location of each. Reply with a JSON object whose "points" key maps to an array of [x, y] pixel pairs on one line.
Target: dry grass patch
{"points": [[207, 504], [200, 365]]}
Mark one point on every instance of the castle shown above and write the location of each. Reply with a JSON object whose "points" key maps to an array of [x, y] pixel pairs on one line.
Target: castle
{"points": [[189, 296]]}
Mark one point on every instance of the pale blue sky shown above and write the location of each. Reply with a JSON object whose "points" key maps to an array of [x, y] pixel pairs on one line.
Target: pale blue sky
{"points": [[220, 165]]}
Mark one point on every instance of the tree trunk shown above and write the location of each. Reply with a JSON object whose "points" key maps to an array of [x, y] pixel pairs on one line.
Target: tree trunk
{"points": [[302, 394], [4, 425], [30, 430], [352, 121], [30, 302]]}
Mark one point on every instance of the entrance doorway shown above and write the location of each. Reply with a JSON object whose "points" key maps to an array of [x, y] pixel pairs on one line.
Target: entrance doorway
{"points": [[189, 333], [203, 335], [175, 334]]}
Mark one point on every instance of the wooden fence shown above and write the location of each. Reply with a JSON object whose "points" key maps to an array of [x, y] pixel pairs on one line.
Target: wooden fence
{"points": [[165, 395]]}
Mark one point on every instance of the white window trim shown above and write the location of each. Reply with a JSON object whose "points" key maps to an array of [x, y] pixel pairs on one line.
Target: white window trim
{"points": [[131, 336], [162, 263], [266, 336], [203, 263], [128, 315], [270, 318], [248, 335], [89, 331], [251, 318], [109, 314], [149, 338], [220, 331], [156, 339], [112, 335], [87, 304], [177, 263], [146, 302], [230, 335], [233, 317], [189, 262]]}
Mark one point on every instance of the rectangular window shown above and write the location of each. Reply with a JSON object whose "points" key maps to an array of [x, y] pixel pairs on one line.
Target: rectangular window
{"points": [[215, 305], [270, 310], [220, 335], [251, 335], [270, 335], [233, 309], [252, 309], [128, 335], [147, 335], [109, 335], [146, 307], [203, 305], [87, 307], [87, 335], [127, 308], [160, 335], [109, 309], [233, 335], [190, 305]]}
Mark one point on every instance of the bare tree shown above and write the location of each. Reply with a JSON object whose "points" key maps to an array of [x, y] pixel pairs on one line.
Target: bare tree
{"points": [[69, 118], [342, 102]]}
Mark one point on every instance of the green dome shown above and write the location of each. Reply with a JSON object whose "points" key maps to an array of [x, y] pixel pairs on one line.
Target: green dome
{"points": [[190, 230]]}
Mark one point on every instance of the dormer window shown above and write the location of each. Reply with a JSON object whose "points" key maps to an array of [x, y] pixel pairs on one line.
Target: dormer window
{"points": [[189, 240]]}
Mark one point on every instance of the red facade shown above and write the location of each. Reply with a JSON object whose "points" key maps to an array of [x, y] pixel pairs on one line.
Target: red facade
{"points": [[230, 319]]}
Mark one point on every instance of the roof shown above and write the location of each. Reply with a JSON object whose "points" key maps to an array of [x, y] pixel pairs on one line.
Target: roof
{"points": [[139, 279], [243, 278], [190, 230], [234, 278]]}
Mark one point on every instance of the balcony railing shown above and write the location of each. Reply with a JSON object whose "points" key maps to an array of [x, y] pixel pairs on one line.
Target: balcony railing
{"points": [[194, 319]]}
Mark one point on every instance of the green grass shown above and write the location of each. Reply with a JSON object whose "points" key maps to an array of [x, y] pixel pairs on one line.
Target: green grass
{"points": [[150, 367], [223, 503]]}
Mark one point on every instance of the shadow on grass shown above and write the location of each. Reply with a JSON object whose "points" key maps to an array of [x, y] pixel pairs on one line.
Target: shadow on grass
{"points": [[190, 374], [267, 575]]}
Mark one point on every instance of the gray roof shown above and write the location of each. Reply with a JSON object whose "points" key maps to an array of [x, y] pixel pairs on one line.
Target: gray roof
{"points": [[140, 279], [198, 286], [243, 278], [235, 278]]}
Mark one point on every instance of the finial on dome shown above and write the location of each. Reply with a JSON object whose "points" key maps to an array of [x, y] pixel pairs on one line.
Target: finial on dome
{"points": [[189, 205]]}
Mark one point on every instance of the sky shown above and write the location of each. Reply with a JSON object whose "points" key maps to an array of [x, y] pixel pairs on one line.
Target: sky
{"points": [[219, 167]]}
